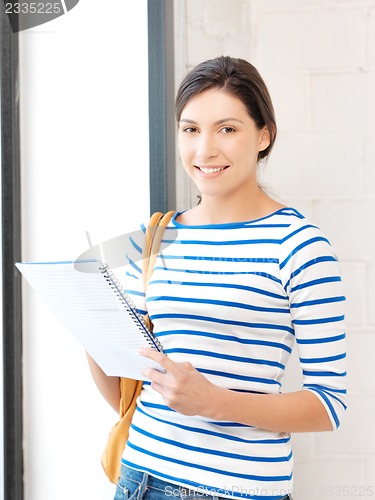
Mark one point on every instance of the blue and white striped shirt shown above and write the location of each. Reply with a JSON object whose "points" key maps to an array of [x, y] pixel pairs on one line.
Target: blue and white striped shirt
{"points": [[233, 299]]}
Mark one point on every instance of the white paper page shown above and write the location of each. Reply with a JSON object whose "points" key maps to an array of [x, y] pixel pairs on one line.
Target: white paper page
{"points": [[90, 310]]}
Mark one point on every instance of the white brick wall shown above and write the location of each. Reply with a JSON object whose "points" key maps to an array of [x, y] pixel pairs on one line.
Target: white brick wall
{"points": [[328, 38], [318, 59], [344, 102]]}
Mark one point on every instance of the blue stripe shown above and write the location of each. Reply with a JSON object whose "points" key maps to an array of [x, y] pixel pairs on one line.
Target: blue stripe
{"points": [[327, 300], [231, 338], [265, 226], [291, 211], [218, 453], [135, 292], [338, 400], [129, 275], [323, 360], [303, 245], [320, 281], [288, 211], [330, 406], [323, 374], [135, 245], [327, 389], [224, 243], [228, 437], [223, 321], [156, 406], [236, 376], [329, 392], [240, 359], [134, 265], [313, 262], [222, 285], [209, 469], [318, 321], [228, 424], [142, 312], [321, 340], [224, 273], [302, 228], [224, 303], [234, 260]]}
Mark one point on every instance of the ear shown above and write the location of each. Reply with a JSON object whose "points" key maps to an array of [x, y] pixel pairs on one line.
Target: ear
{"points": [[264, 138]]}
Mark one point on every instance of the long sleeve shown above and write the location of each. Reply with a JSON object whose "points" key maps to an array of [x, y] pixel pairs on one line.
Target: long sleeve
{"points": [[311, 278]]}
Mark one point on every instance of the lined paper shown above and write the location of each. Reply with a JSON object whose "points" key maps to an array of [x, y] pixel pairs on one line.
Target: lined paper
{"points": [[86, 304]]}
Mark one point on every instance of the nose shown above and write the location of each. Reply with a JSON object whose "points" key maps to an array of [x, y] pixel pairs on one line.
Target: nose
{"points": [[206, 146]]}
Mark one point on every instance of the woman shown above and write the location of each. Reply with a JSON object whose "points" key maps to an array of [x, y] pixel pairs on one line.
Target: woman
{"points": [[245, 279]]}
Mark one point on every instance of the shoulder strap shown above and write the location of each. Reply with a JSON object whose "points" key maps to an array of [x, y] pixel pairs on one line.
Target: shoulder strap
{"points": [[154, 234]]}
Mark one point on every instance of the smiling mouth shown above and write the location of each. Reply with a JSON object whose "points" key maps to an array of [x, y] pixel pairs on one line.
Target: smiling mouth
{"points": [[211, 170]]}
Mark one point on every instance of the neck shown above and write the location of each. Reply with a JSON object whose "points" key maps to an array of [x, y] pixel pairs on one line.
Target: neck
{"points": [[214, 210]]}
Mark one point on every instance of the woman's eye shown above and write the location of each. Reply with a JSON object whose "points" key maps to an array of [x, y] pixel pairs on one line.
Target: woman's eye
{"points": [[189, 130], [227, 130]]}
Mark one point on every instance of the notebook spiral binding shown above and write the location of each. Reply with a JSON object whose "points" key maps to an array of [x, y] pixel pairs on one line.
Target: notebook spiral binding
{"points": [[126, 301]]}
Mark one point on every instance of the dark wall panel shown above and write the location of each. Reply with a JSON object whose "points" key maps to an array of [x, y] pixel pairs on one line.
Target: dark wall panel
{"points": [[11, 252]]}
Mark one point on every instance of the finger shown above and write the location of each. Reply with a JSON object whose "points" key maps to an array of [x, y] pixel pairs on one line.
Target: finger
{"points": [[159, 357], [155, 376]]}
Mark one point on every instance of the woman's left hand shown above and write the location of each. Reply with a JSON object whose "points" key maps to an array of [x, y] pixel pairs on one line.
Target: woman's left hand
{"points": [[183, 388]]}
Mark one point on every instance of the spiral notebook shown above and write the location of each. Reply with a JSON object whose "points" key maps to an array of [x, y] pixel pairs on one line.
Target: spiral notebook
{"points": [[89, 300]]}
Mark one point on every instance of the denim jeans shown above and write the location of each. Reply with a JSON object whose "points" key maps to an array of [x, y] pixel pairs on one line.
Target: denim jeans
{"points": [[135, 485]]}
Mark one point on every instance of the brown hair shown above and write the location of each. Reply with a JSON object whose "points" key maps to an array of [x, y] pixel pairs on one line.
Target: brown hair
{"points": [[239, 78]]}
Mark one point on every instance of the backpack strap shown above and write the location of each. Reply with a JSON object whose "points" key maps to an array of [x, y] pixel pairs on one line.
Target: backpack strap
{"points": [[154, 235]]}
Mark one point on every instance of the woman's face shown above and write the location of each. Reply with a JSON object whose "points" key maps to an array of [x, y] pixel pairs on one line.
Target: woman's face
{"points": [[219, 143]]}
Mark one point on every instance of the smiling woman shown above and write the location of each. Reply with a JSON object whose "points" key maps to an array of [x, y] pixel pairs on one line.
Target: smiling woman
{"points": [[244, 280], [226, 125]]}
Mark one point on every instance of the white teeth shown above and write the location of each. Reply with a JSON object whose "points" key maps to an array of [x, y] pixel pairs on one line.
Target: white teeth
{"points": [[207, 170]]}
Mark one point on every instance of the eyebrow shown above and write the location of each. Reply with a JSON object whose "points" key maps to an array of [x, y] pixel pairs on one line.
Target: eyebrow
{"points": [[219, 122]]}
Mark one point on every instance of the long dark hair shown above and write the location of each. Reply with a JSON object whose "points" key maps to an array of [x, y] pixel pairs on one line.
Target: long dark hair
{"points": [[239, 78]]}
